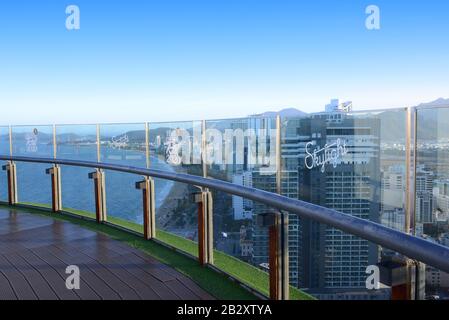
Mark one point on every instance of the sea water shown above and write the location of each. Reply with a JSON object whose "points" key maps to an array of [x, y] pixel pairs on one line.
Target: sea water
{"points": [[123, 199]]}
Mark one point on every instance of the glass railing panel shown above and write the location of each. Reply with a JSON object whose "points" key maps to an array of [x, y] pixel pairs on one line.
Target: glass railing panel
{"points": [[3, 185], [177, 216], [432, 188], [77, 142], [4, 150], [176, 147], [123, 201], [32, 141], [124, 144], [356, 269], [234, 241], [4, 141], [33, 185], [350, 162], [241, 151]]}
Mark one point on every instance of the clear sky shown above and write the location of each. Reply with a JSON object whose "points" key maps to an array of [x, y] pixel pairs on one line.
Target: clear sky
{"points": [[179, 59]]}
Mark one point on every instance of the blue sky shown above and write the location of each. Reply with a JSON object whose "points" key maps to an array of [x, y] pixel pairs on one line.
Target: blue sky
{"points": [[177, 60]]}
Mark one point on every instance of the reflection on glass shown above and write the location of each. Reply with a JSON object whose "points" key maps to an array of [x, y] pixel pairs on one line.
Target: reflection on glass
{"points": [[4, 150], [176, 147], [242, 151], [3, 185], [340, 160], [123, 144], [33, 185], [432, 189], [77, 142], [351, 162], [344, 161], [4, 141], [32, 141]]}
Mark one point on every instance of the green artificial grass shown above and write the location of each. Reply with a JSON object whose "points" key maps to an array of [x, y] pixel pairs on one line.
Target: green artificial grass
{"points": [[216, 284]]}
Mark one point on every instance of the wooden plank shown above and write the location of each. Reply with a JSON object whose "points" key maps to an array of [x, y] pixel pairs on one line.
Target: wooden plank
{"points": [[157, 286], [53, 274], [17, 281], [35, 251], [6, 291], [122, 289], [181, 290], [156, 270], [173, 274], [34, 278], [125, 272], [114, 249], [85, 292], [126, 262], [97, 284], [203, 295]]}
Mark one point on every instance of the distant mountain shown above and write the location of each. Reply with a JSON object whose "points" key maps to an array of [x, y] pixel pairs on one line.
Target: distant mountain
{"points": [[433, 124], [22, 136], [288, 113], [72, 137], [134, 136], [392, 126], [441, 102]]}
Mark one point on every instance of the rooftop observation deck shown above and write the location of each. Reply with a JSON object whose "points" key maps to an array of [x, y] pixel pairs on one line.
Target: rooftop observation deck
{"points": [[258, 207], [35, 251]]}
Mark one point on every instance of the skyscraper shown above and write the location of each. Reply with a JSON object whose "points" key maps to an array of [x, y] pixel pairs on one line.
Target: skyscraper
{"points": [[330, 159]]}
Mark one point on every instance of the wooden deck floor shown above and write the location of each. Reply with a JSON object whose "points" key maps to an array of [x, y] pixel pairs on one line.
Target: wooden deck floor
{"points": [[35, 252]]}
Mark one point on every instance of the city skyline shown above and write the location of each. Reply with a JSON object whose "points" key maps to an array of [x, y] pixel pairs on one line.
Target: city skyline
{"points": [[224, 150], [215, 60], [336, 159]]}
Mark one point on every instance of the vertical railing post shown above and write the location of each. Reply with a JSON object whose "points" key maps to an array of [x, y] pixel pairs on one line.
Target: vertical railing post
{"points": [[100, 194], [99, 185], [278, 156], [205, 227], [273, 261], [406, 290], [420, 280], [149, 210], [205, 210], [277, 224], [282, 222], [285, 260], [11, 172], [411, 156], [55, 174], [405, 276]]}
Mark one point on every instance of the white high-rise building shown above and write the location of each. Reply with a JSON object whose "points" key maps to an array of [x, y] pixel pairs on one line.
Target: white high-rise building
{"points": [[441, 198], [242, 208], [424, 194], [336, 106], [323, 259]]}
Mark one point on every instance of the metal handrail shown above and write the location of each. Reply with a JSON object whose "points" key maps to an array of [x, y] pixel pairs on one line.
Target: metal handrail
{"points": [[413, 247]]}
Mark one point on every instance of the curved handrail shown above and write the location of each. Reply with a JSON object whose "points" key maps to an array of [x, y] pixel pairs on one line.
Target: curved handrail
{"points": [[413, 247]]}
